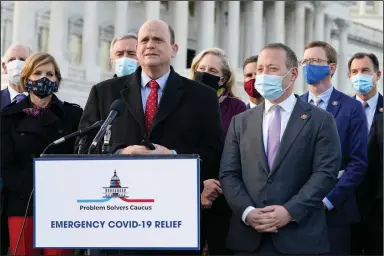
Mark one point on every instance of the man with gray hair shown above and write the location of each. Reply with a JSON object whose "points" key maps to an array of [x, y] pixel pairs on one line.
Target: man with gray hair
{"points": [[12, 64], [122, 54]]}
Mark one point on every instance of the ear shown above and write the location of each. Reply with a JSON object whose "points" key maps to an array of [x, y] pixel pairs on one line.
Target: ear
{"points": [[295, 73], [378, 73], [333, 67], [175, 49], [4, 67]]}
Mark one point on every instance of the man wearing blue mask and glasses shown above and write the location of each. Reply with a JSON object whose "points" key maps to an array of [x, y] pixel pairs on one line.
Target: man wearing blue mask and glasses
{"points": [[279, 161], [123, 54], [319, 64], [364, 73]]}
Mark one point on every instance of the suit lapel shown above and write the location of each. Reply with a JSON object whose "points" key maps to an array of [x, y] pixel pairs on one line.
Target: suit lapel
{"points": [[379, 106], [132, 97], [171, 97], [5, 98], [334, 102], [256, 137], [299, 117], [305, 96]]}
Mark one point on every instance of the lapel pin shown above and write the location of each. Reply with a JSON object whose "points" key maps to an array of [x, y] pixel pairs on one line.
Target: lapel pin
{"points": [[304, 116], [334, 103], [381, 109]]}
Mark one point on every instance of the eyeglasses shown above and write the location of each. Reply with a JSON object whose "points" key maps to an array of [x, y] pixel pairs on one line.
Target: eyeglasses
{"points": [[312, 61]]}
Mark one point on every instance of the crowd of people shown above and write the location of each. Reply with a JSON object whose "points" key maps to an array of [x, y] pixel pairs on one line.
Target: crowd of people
{"points": [[282, 174]]}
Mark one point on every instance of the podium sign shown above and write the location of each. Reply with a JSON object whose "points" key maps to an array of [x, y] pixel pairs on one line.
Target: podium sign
{"points": [[145, 203]]}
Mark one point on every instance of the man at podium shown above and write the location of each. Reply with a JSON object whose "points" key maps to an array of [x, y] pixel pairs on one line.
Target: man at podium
{"points": [[176, 114]]}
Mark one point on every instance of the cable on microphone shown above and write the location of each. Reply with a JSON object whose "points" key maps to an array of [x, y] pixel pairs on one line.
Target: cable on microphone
{"points": [[24, 220], [117, 108]]}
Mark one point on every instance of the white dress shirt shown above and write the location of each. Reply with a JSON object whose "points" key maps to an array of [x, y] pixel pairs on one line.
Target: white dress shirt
{"points": [[252, 105], [145, 89], [13, 93], [285, 112], [370, 109]]}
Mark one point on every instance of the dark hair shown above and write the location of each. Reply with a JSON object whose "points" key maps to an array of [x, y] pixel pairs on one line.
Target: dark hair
{"points": [[291, 60], [172, 33], [251, 59], [329, 50], [361, 55]]}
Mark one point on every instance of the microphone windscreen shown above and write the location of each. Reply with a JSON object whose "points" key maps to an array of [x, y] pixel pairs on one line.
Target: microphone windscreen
{"points": [[118, 106]]}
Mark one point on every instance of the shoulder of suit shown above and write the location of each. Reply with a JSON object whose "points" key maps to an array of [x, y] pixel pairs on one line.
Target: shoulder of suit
{"points": [[112, 81], [73, 106]]}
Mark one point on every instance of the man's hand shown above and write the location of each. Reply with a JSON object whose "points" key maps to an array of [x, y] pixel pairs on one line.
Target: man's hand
{"points": [[277, 215], [212, 189], [261, 221], [142, 150], [205, 202]]}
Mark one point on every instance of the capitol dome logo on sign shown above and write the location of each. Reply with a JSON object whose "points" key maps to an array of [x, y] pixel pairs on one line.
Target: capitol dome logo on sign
{"points": [[115, 191]]}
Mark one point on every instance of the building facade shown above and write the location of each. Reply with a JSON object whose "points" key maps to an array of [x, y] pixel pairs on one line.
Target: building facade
{"points": [[78, 34]]}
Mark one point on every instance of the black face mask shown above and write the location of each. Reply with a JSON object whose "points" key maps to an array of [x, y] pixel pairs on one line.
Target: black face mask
{"points": [[208, 79]]}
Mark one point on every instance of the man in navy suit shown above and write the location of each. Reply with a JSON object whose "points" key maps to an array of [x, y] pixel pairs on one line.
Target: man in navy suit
{"points": [[367, 235], [364, 73], [319, 64], [13, 62]]}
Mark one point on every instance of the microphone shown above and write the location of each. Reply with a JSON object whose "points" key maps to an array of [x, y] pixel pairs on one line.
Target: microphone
{"points": [[82, 144], [107, 138], [74, 134], [117, 108]]}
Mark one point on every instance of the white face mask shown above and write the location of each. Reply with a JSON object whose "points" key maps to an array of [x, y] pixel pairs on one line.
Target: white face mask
{"points": [[13, 71]]}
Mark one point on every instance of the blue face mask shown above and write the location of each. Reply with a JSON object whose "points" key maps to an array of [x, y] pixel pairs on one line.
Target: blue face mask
{"points": [[270, 86], [125, 66], [42, 87], [362, 83], [314, 74]]}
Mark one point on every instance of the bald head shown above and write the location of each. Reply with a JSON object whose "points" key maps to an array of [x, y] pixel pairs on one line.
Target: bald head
{"points": [[161, 25], [17, 51]]}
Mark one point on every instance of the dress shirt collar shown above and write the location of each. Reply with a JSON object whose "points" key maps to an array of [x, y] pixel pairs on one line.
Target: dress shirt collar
{"points": [[325, 96], [161, 81], [252, 105], [13, 93], [287, 105], [372, 102]]}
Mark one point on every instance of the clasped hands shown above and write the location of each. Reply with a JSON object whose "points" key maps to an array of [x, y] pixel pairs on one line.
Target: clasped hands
{"points": [[268, 219], [212, 190], [142, 150]]}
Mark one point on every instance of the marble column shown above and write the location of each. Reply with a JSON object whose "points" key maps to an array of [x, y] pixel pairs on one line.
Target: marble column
{"points": [[329, 21], [342, 60], [91, 41], [300, 39], [206, 31], [279, 15], [24, 24], [152, 10], [319, 21], [233, 32], [180, 19], [256, 28], [58, 35], [362, 6], [309, 28], [121, 19], [380, 3]]}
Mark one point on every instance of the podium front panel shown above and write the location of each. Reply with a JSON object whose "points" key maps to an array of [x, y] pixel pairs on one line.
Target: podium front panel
{"points": [[138, 203]]}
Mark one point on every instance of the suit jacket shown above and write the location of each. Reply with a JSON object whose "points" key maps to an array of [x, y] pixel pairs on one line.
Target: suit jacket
{"points": [[379, 106], [24, 137], [353, 132], [304, 171], [5, 98], [188, 118], [370, 191]]}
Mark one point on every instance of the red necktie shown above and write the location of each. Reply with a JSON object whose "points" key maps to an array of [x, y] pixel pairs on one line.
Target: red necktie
{"points": [[151, 106]]}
